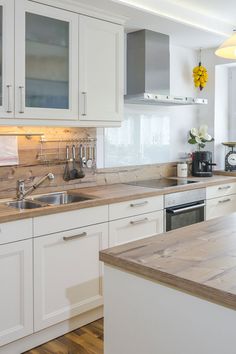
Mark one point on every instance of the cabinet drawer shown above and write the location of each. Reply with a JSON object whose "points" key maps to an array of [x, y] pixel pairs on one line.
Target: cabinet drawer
{"points": [[50, 224], [220, 190], [15, 231], [220, 206], [135, 227], [135, 207]]}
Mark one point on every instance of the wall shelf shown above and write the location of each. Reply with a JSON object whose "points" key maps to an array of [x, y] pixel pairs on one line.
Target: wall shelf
{"points": [[27, 135]]}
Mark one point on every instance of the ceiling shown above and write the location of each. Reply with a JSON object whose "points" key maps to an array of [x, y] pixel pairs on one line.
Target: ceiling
{"points": [[190, 23]]}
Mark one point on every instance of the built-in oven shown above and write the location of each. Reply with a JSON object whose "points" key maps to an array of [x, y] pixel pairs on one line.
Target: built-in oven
{"points": [[184, 208]]}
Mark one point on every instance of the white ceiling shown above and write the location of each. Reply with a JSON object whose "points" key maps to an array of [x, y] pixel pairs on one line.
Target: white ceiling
{"points": [[223, 10], [190, 23]]}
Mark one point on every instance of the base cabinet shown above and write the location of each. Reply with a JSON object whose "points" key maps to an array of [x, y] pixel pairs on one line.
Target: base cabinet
{"points": [[220, 206], [221, 200], [136, 227], [16, 295], [68, 274]]}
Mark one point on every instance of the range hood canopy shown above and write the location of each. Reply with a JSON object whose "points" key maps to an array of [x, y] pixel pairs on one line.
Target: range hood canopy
{"points": [[148, 70]]}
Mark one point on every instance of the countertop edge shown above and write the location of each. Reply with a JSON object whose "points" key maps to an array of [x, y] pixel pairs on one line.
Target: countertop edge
{"points": [[204, 292]]}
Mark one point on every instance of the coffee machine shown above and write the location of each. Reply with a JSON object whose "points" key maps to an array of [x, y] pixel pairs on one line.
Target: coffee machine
{"points": [[202, 164]]}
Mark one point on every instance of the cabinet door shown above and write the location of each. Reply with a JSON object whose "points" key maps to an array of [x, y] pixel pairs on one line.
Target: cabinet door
{"points": [[220, 206], [68, 274], [136, 227], [100, 70], [46, 62], [16, 295], [6, 58]]}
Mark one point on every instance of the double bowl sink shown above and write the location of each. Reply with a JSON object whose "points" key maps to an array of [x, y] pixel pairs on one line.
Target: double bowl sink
{"points": [[60, 198]]}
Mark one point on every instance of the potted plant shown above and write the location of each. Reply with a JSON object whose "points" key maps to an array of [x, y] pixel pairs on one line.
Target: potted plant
{"points": [[200, 137], [201, 160]]}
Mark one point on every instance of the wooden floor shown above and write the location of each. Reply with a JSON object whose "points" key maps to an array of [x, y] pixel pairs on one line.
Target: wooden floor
{"points": [[85, 340]]}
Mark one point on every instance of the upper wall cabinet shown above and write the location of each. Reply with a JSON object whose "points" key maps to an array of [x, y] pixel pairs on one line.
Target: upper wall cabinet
{"points": [[100, 70], [58, 67], [46, 65], [6, 58]]}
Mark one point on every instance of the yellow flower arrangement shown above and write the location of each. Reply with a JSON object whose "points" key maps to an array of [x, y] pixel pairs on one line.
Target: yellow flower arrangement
{"points": [[200, 76]]}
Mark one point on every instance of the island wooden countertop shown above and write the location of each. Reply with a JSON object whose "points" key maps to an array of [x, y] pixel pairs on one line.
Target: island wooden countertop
{"points": [[109, 194], [199, 259]]}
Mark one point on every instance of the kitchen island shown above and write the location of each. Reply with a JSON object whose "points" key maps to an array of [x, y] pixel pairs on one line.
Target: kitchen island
{"points": [[173, 293]]}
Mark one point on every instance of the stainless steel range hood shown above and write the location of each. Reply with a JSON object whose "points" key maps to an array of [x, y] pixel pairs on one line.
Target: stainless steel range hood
{"points": [[148, 71]]}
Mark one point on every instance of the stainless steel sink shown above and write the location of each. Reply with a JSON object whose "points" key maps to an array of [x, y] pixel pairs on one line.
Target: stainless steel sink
{"points": [[61, 198], [24, 204]]}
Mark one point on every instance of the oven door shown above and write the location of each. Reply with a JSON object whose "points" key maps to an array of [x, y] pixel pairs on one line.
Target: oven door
{"points": [[184, 215]]}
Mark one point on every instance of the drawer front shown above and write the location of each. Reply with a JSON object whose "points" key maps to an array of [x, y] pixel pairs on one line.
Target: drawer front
{"points": [[50, 224], [135, 207], [15, 231], [136, 227], [220, 190], [220, 206]]}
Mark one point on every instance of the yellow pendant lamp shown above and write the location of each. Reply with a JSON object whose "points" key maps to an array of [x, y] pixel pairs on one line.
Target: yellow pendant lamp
{"points": [[227, 49]]}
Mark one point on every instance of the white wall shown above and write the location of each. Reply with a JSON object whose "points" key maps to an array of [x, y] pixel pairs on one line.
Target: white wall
{"points": [[216, 113], [153, 134], [221, 121]]}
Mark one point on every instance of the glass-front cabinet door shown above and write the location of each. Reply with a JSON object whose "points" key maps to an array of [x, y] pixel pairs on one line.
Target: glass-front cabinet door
{"points": [[6, 58], [46, 72]]}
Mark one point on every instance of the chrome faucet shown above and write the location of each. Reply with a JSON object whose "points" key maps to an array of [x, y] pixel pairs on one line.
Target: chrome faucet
{"points": [[22, 193]]}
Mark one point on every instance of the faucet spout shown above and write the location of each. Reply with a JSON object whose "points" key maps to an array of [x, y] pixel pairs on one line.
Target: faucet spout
{"points": [[22, 193]]}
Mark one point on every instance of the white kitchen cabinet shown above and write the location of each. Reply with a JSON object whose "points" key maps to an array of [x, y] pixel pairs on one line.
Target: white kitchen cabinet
{"points": [[16, 295], [68, 274], [220, 190], [100, 70], [46, 62], [59, 67], [6, 58], [220, 206], [136, 227], [135, 207], [221, 200]]}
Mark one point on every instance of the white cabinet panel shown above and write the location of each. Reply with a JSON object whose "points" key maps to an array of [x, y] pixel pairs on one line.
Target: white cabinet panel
{"points": [[16, 295], [68, 274], [134, 228], [220, 190], [46, 71], [15, 230], [135, 207], [100, 70], [49, 224], [220, 206], [6, 58]]}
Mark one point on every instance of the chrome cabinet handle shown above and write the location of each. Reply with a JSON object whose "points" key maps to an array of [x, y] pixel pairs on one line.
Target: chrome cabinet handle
{"points": [[9, 106], [21, 90], [192, 207], [140, 221], [85, 103], [69, 238], [222, 188], [224, 200], [133, 205]]}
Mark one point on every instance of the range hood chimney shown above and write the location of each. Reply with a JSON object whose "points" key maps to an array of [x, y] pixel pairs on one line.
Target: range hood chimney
{"points": [[148, 70]]}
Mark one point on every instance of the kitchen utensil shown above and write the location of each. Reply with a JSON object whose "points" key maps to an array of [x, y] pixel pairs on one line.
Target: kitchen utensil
{"points": [[66, 175], [74, 172], [81, 173], [89, 162]]}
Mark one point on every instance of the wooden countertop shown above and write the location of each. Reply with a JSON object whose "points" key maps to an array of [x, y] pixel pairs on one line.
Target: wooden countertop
{"points": [[199, 259], [108, 194]]}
